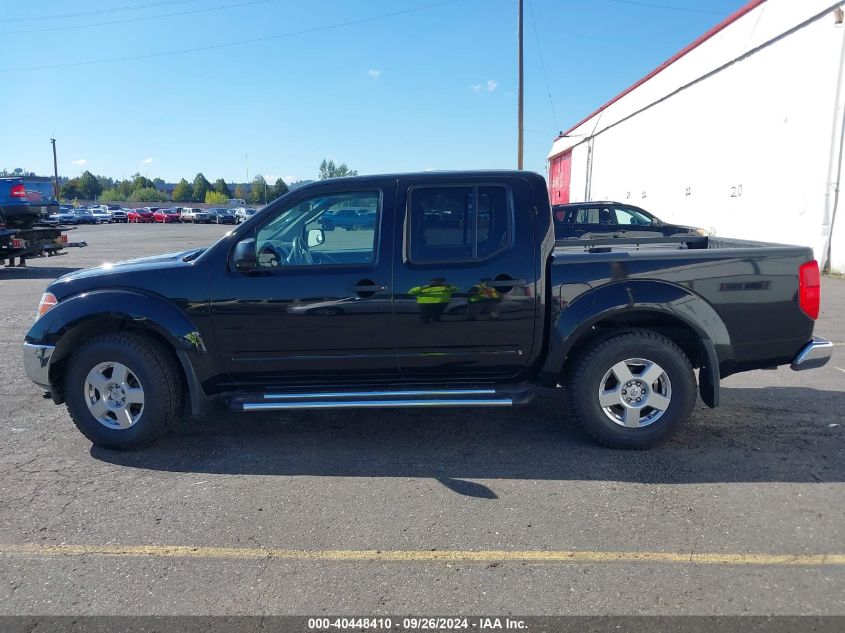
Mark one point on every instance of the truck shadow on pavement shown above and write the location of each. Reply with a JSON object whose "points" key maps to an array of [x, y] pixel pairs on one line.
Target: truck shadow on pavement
{"points": [[35, 272], [772, 434]]}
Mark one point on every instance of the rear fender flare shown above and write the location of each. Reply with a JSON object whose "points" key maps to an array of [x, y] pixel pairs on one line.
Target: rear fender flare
{"points": [[651, 296]]}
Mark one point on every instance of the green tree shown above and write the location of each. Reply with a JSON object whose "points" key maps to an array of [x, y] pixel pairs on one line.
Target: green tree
{"points": [[277, 190], [201, 187], [259, 192], [240, 192], [70, 190], [148, 194], [105, 182], [183, 192], [111, 195], [215, 197], [125, 188], [329, 170], [17, 172], [89, 186], [141, 182], [220, 186]]}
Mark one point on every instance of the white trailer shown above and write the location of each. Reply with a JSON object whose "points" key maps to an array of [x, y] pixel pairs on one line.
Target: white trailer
{"points": [[740, 133]]}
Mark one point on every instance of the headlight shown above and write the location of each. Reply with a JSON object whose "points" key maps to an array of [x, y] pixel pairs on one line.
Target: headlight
{"points": [[48, 300], [701, 232]]}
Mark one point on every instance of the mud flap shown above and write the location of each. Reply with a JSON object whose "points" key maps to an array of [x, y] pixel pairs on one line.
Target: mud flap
{"points": [[709, 381]]}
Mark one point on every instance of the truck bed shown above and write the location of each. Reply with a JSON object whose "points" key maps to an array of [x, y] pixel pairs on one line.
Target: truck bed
{"points": [[745, 289]]}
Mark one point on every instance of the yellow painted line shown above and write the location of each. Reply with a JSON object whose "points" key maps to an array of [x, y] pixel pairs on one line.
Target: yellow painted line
{"points": [[33, 550]]}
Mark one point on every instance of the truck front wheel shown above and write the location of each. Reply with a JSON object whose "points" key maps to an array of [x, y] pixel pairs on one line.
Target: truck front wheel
{"points": [[122, 391], [632, 390]]}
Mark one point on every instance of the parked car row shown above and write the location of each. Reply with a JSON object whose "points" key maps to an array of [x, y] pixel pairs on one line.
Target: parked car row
{"points": [[189, 214], [96, 214], [105, 214]]}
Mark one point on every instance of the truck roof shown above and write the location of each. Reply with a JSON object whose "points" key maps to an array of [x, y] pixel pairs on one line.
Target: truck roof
{"points": [[434, 175]]}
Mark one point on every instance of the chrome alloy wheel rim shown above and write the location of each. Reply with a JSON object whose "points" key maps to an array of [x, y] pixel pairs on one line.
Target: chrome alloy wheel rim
{"points": [[114, 395], [635, 393]]}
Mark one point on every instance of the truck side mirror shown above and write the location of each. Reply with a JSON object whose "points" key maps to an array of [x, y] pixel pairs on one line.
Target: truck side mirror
{"points": [[244, 258], [315, 237]]}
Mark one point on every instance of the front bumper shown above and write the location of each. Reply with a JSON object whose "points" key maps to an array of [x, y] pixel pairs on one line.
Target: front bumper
{"points": [[814, 354], [36, 360]]}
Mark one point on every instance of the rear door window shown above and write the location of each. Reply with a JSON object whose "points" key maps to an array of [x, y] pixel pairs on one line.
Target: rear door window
{"points": [[458, 224]]}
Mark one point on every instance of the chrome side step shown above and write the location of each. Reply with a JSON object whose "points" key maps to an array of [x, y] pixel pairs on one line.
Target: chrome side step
{"points": [[324, 395], [375, 404], [402, 398]]}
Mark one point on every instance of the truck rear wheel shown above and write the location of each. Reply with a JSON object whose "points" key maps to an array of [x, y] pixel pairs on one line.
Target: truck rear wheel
{"points": [[632, 390], [122, 391]]}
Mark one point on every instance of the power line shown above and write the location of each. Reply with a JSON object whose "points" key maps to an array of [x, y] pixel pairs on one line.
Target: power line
{"points": [[138, 19], [58, 16], [651, 5], [542, 63], [255, 40]]}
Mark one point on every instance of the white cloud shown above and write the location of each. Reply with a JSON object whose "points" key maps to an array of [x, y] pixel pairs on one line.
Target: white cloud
{"points": [[79, 161], [146, 161], [490, 85], [290, 179], [375, 73]]}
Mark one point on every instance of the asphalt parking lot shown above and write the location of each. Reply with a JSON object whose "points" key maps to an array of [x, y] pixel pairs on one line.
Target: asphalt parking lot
{"points": [[394, 512]]}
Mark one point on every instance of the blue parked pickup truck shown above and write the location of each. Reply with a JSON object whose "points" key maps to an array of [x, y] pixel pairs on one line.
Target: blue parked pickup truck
{"points": [[26, 227], [25, 201], [457, 294]]}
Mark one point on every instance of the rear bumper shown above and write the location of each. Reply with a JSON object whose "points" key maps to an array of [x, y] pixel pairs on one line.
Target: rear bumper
{"points": [[36, 361], [20, 214], [814, 354]]}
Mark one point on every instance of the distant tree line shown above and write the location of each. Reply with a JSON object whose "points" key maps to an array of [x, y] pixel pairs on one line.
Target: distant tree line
{"points": [[139, 188]]}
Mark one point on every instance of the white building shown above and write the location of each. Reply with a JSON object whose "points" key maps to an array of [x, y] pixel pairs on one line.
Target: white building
{"points": [[740, 133]]}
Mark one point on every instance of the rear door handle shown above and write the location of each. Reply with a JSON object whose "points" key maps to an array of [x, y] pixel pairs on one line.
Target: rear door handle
{"points": [[506, 283]]}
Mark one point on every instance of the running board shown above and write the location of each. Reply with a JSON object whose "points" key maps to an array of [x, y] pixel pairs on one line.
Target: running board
{"points": [[410, 398]]}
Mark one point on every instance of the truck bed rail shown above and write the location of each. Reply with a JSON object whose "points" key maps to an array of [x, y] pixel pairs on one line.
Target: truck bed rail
{"points": [[606, 244]]}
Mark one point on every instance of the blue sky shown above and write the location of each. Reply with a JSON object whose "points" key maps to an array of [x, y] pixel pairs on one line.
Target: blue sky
{"points": [[433, 88]]}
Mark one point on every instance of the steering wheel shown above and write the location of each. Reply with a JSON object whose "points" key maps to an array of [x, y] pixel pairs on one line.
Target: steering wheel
{"points": [[299, 253], [271, 256]]}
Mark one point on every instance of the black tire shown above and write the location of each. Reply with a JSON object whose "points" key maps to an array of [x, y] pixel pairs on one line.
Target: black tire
{"points": [[593, 364], [156, 373]]}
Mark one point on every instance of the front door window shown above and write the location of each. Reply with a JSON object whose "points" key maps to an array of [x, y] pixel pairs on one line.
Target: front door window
{"points": [[337, 229]]}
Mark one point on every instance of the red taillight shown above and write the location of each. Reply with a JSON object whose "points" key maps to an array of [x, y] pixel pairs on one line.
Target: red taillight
{"points": [[18, 191], [16, 243], [809, 289]]}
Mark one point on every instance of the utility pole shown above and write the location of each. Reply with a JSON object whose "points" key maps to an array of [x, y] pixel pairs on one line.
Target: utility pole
{"points": [[520, 90], [55, 171]]}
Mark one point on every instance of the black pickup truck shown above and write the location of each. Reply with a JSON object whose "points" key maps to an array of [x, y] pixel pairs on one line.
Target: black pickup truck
{"points": [[456, 294]]}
